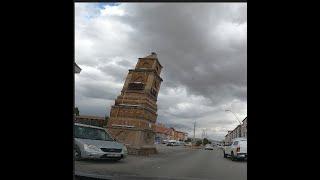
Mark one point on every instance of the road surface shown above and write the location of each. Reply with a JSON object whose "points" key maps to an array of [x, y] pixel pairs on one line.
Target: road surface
{"points": [[172, 162]]}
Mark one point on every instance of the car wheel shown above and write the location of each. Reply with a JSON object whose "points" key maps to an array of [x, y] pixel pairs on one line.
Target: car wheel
{"points": [[232, 157], [77, 153], [224, 155]]}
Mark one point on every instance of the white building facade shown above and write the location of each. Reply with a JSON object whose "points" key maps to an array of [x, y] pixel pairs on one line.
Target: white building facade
{"points": [[244, 128], [239, 131]]}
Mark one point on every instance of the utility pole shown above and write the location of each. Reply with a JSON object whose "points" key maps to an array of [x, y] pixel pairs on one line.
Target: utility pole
{"points": [[194, 131], [234, 115]]}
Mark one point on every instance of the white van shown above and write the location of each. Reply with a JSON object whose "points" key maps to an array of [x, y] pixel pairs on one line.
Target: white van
{"points": [[237, 149]]}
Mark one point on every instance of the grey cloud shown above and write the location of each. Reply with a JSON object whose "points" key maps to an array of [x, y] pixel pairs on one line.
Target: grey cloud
{"points": [[99, 92], [179, 33], [117, 72]]}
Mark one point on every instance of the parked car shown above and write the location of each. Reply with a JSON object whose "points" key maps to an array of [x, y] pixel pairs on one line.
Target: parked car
{"points": [[219, 146], [92, 142], [237, 149], [165, 141], [208, 147], [173, 143], [181, 143]]}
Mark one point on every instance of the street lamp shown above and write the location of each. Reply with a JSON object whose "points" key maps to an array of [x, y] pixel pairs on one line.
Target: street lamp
{"points": [[227, 110]]}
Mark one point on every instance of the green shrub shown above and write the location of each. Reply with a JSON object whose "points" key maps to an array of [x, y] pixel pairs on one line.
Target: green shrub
{"points": [[198, 143]]}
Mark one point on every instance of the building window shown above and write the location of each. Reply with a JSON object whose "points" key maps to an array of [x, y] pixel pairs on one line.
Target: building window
{"points": [[135, 86]]}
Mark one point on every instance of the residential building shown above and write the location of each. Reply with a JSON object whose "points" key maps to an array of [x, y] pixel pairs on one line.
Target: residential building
{"points": [[239, 131], [165, 133], [228, 137], [180, 136], [244, 128], [162, 132]]}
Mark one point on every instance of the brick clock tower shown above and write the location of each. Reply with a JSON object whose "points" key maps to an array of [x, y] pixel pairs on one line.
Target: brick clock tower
{"points": [[134, 113]]}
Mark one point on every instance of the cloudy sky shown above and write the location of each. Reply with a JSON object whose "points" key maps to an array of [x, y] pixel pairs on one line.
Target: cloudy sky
{"points": [[202, 47]]}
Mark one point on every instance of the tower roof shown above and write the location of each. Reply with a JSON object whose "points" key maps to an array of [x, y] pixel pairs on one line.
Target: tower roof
{"points": [[153, 55]]}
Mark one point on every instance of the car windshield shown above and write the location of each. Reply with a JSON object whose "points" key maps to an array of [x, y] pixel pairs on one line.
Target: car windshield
{"points": [[91, 133]]}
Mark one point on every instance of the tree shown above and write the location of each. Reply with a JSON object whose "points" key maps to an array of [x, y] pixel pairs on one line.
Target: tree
{"points": [[188, 140], [76, 111], [198, 143], [206, 141]]}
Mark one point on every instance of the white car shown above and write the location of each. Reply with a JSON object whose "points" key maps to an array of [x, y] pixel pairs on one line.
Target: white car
{"points": [[175, 143], [181, 143], [208, 147], [237, 149], [165, 141], [91, 142]]}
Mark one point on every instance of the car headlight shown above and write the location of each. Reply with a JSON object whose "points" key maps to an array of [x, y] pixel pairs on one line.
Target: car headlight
{"points": [[91, 148]]}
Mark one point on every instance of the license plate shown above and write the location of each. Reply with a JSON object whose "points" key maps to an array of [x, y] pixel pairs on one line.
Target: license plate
{"points": [[113, 155]]}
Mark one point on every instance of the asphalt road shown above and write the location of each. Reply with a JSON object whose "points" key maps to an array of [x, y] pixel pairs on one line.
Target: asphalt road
{"points": [[172, 162]]}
